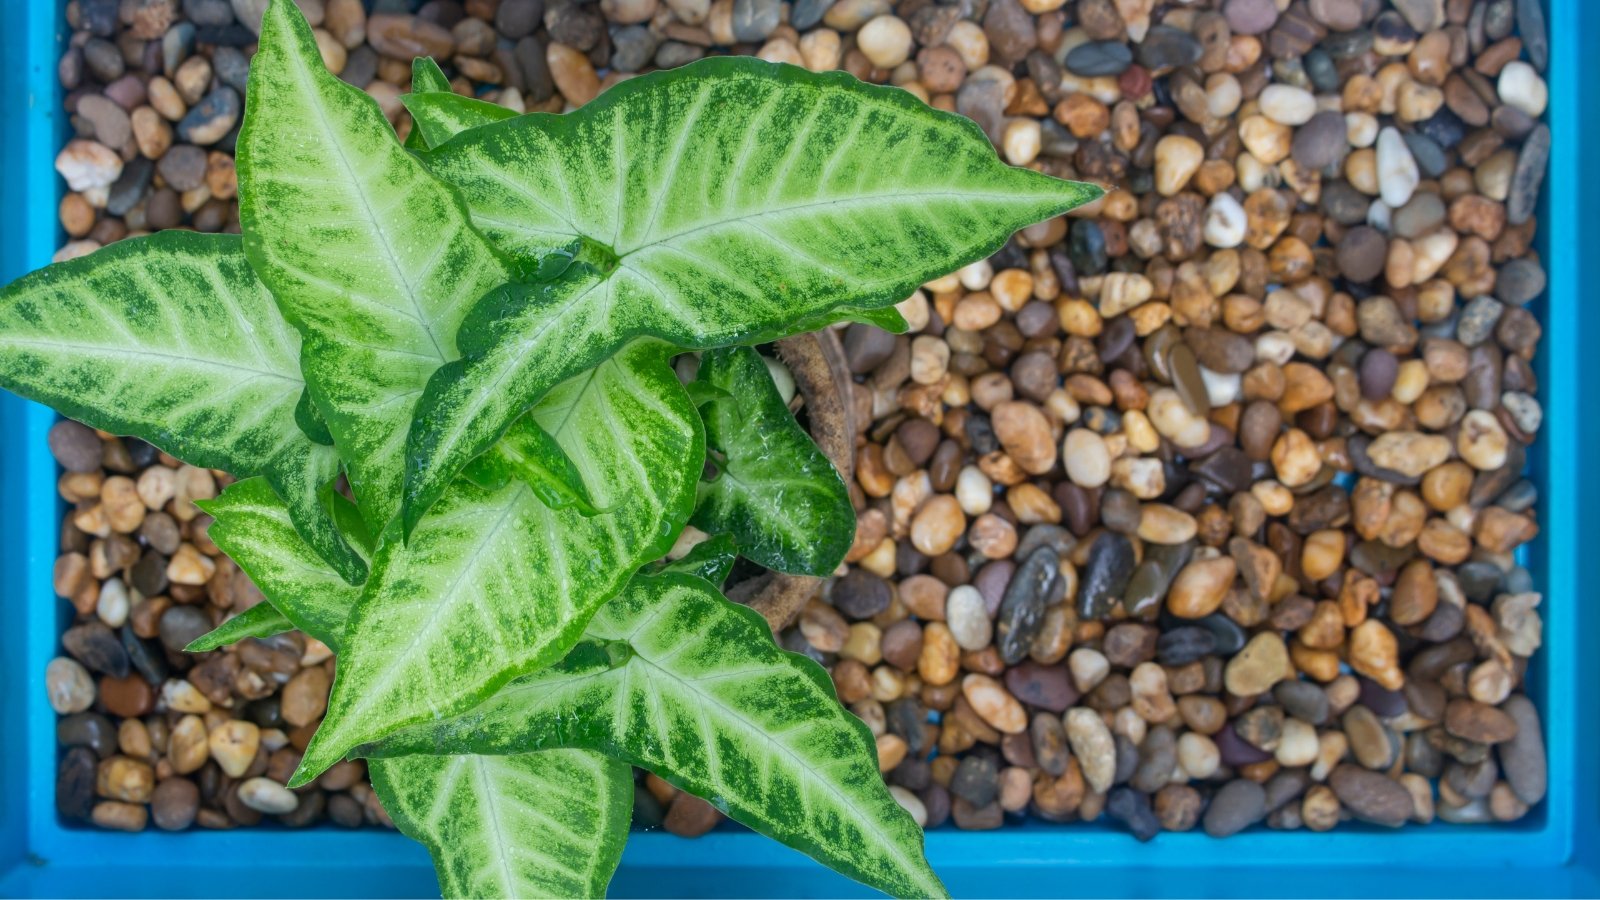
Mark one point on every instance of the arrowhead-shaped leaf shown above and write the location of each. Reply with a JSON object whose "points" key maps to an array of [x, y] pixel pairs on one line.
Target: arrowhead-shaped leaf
{"points": [[774, 490], [533, 825], [548, 824], [259, 621], [529, 454], [171, 338], [440, 115], [725, 202], [673, 678], [252, 527], [494, 584], [372, 259]]}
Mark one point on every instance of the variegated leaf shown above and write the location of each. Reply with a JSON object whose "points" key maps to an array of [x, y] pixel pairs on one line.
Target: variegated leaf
{"points": [[372, 259], [439, 115], [674, 678], [774, 490], [710, 560], [728, 201], [259, 621], [494, 584], [549, 824], [171, 338], [252, 527]]}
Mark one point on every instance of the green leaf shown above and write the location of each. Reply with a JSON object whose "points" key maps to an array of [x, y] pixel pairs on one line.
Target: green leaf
{"points": [[528, 453], [534, 825], [171, 338], [370, 257], [710, 560], [252, 527], [673, 678], [261, 620], [427, 77], [440, 116], [309, 418], [494, 584], [775, 491], [730, 199], [548, 824]]}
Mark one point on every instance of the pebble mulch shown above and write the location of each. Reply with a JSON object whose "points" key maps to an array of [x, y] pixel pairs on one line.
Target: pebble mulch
{"points": [[1195, 510]]}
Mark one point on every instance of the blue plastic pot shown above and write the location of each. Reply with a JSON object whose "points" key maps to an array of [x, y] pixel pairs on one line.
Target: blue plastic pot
{"points": [[1555, 851]]}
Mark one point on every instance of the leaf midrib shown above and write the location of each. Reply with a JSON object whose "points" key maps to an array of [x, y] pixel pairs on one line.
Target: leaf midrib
{"points": [[308, 82], [193, 362], [852, 201], [448, 598], [818, 781]]}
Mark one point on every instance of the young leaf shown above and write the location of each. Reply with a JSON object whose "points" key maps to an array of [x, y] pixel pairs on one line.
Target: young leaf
{"points": [[710, 560], [370, 257], [171, 338], [438, 116], [428, 78], [728, 200], [252, 527], [261, 620], [494, 584], [548, 824], [774, 491], [674, 678], [537, 824], [528, 453]]}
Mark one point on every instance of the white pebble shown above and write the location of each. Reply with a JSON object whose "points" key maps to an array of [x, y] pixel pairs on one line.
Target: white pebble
{"points": [[974, 491], [1520, 86], [1022, 140], [1287, 104], [112, 607], [1274, 347], [969, 621], [1397, 168], [1088, 667], [885, 40], [1380, 215], [975, 276], [1198, 755], [910, 803], [1222, 388], [1086, 458], [782, 378], [1360, 129], [267, 796], [88, 164], [1226, 222]]}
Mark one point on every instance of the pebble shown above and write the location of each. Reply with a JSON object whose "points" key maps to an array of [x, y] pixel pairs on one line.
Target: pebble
{"points": [[69, 686], [1133, 810], [174, 804], [1398, 175], [212, 118], [267, 796], [1236, 806], [968, 619], [97, 647], [1177, 159], [1022, 608], [998, 708], [1520, 86], [87, 165], [234, 745], [1093, 59], [1371, 796], [1093, 747], [1522, 757]]}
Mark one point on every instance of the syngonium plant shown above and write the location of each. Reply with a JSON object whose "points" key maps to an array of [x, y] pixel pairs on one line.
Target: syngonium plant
{"points": [[443, 372]]}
